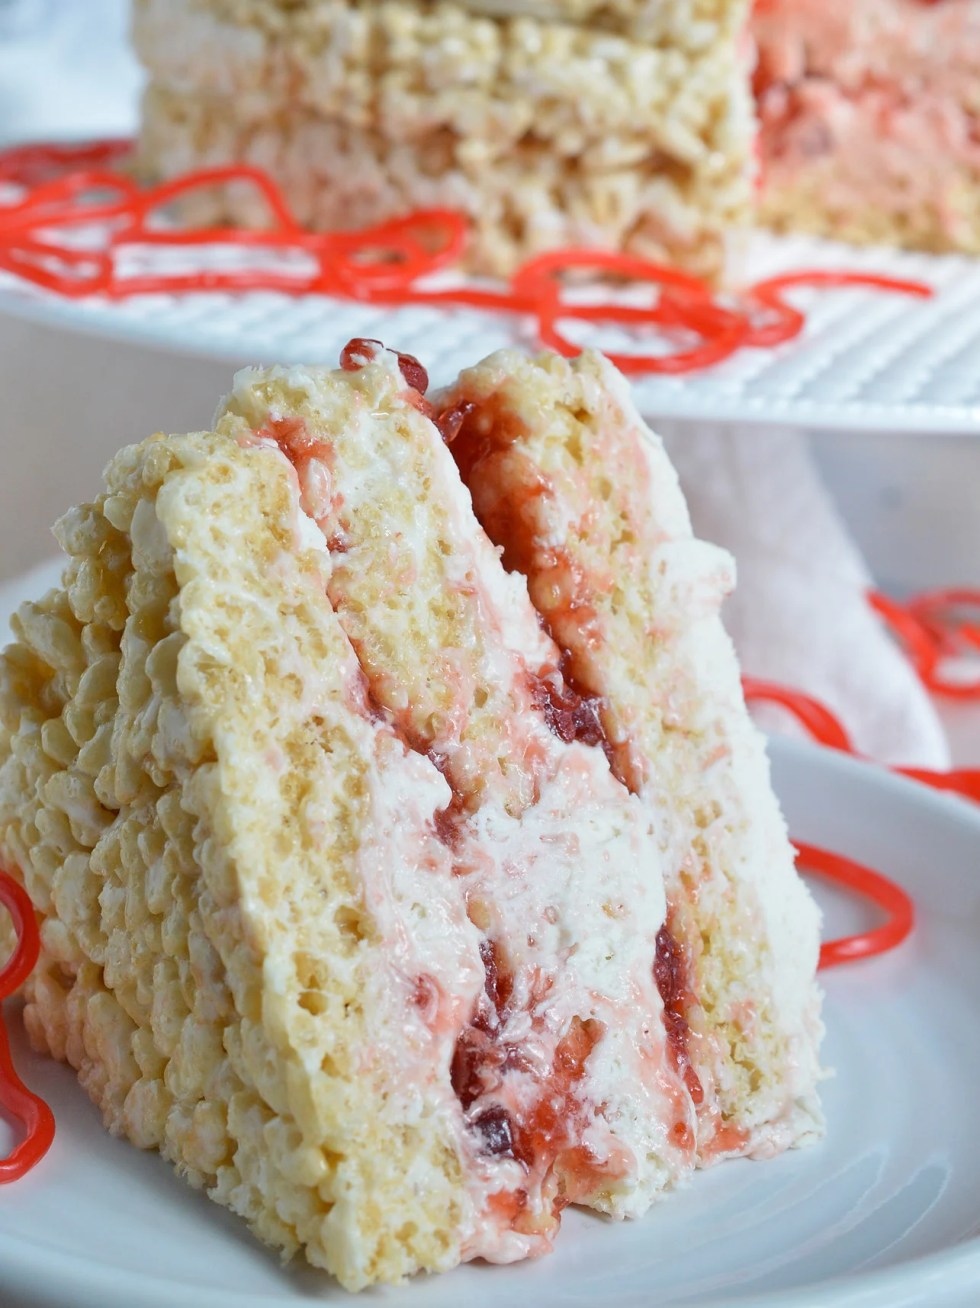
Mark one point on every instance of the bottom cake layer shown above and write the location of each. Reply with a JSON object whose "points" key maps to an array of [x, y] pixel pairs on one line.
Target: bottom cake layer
{"points": [[520, 200]]}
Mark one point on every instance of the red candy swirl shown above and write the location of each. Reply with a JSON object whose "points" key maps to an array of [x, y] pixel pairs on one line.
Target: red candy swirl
{"points": [[25, 1107], [68, 187]]}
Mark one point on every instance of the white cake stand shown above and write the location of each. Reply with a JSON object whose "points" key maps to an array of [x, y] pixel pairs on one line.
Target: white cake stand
{"points": [[867, 359]]}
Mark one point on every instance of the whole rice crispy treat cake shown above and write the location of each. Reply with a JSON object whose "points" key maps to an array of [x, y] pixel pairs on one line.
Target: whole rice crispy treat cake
{"points": [[343, 908], [541, 131]]}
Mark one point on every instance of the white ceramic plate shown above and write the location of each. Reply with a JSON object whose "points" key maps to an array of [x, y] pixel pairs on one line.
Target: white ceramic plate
{"points": [[884, 1213], [867, 360]]}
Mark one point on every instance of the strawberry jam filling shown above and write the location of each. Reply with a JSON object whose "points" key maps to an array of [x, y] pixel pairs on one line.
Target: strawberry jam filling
{"points": [[485, 433], [492, 1077], [569, 714], [363, 350], [450, 420], [670, 974]]}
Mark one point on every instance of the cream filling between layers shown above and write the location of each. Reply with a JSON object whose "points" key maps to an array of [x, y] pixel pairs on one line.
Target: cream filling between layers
{"points": [[567, 889]]}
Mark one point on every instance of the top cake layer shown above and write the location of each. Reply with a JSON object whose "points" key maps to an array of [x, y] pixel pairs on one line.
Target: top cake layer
{"points": [[691, 24]]}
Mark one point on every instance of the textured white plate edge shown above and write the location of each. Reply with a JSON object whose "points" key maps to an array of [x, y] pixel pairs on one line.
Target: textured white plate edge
{"points": [[926, 1282], [809, 415]]}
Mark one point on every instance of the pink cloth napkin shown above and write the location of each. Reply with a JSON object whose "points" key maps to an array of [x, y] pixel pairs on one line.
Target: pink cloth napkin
{"points": [[799, 614]]}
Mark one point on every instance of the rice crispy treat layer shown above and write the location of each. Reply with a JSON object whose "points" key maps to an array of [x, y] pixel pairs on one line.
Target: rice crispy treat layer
{"points": [[870, 121], [568, 480], [194, 810], [543, 133]]}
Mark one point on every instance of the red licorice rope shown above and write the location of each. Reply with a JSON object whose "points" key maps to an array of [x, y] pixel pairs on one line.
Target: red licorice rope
{"points": [[870, 885], [827, 729], [929, 630], [71, 187], [27, 165], [23, 1105], [933, 608], [784, 322]]}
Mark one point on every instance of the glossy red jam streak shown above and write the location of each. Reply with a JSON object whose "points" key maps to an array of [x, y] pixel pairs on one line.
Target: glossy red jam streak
{"points": [[569, 714], [897, 905], [450, 421], [570, 711], [485, 432], [670, 972], [304, 450], [362, 350], [542, 1133]]}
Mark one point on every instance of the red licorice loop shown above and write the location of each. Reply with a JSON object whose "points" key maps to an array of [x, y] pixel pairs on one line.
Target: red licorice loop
{"points": [[705, 355], [926, 640], [28, 165], [540, 272], [825, 727], [384, 264], [918, 644], [684, 303], [68, 271], [25, 1107], [784, 322], [67, 202], [934, 609], [156, 197], [779, 323], [824, 277], [959, 781], [870, 885]]}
